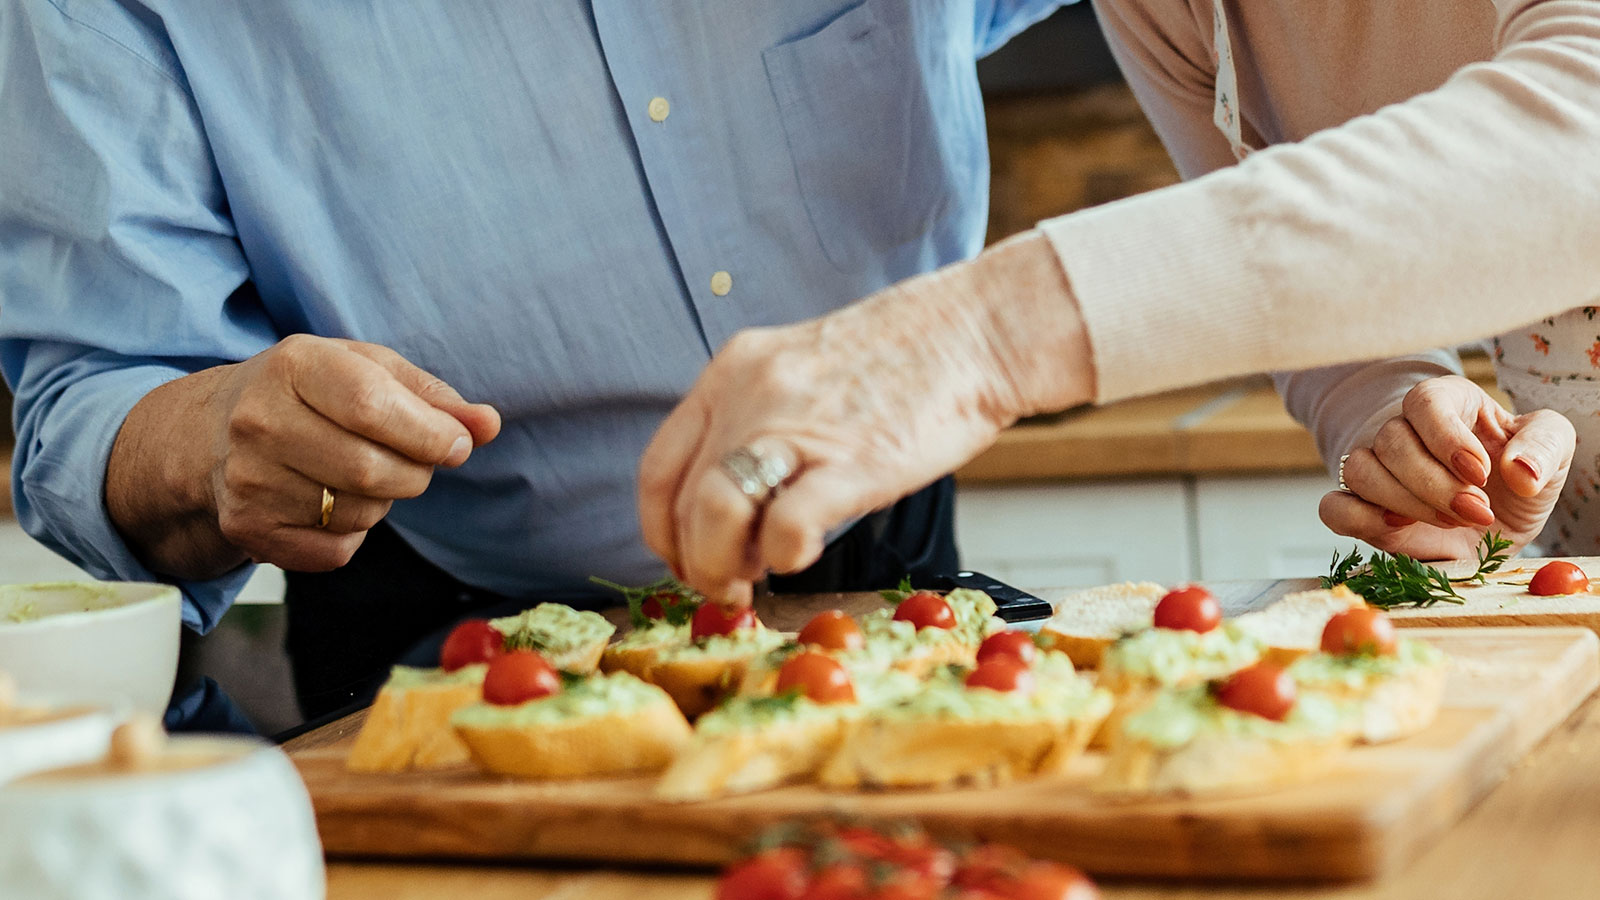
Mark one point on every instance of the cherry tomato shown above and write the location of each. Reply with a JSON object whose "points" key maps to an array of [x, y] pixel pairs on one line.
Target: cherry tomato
{"points": [[915, 852], [984, 867], [1263, 689], [1002, 673], [1190, 608], [925, 609], [777, 874], [473, 641], [1559, 577], [519, 676], [1017, 645], [710, 619], [1360, 629], [818, 676], [656, 605], [837, 881], [1050, 881], [833, 630]]}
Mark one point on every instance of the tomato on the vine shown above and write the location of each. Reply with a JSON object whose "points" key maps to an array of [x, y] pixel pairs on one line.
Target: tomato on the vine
{"points": [[1556, 578], [711, 620], [1017, 645], [777, 874], [519, 676], [832, 630], [1189, 608], [1360, 629], [1263, 689], [818, 676], [925, 609], [473, 641]]}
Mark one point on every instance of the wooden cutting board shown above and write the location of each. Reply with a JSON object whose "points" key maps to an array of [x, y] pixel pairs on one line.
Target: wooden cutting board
{"points": [[1373, 813]]}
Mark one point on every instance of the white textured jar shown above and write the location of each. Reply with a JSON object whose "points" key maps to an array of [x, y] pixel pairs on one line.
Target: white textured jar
{"points": [[238, 826]]}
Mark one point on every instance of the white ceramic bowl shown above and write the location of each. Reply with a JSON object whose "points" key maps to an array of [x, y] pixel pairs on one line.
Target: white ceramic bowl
{"points": [[94, 642], [239, 827]]}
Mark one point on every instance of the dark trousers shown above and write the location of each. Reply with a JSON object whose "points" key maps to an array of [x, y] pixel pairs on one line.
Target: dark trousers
{"points": [[388, 605]]}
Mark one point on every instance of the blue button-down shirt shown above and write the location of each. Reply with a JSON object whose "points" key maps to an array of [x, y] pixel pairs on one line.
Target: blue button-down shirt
{"points": [[492, 188]]}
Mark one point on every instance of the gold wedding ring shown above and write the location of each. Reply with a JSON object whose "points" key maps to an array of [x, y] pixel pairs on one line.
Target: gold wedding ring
{"points": [[324, 517]]}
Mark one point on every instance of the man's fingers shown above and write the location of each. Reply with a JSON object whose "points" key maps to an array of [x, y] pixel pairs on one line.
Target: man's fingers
{"points": [[363, 396], [662, 469], [482, 421], [1541, 447], [798, 519], [313, 445], [1442, 412]]}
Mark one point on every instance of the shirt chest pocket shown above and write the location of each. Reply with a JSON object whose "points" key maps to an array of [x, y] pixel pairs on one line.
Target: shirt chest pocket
{"points": [[883, 117]]}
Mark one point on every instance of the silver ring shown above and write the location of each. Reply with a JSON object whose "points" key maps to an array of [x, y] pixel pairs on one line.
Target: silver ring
{"points": [[1342, 486], [754, 473]]}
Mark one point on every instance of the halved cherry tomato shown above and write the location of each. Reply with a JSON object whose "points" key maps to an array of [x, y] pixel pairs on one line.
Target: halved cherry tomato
{"points": [[519, 676], [711, 619], [1263, 689], [1017, 645], [1556, 578], [777, 874], [925, 609], [473, 641], [1360, 629], [832, 630], [1002, 673], [1189, 608], [818, 676]]}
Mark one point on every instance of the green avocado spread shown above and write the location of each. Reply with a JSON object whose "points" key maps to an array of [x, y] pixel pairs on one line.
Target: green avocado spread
{"points": [[1359, 670], [596, 695], [975, 620], [1176, 717], [407, 677], [553, 629], [655, 633], [1174, 656], [743, 642], [1058, 692]]}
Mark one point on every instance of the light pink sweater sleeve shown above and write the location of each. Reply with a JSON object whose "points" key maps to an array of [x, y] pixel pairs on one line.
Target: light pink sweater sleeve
{"points": [[1461, 212]]}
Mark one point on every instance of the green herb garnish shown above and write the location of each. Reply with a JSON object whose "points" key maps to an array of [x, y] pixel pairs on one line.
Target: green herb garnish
{"points": [[1388, 581], [899, 592], [678, 601]]}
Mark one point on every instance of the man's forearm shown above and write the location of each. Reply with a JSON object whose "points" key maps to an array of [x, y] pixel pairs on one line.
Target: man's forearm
{"points": [[159, 490]]}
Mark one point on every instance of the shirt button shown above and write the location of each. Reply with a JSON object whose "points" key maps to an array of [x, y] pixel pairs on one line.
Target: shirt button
{"points": [[659, 107], [721, 283]]}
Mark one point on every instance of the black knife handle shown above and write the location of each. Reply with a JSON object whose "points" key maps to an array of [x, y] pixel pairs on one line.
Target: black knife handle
{"points": [[1014, 604]]}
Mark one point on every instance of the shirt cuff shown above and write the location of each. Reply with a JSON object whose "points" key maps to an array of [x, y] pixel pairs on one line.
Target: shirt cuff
{"points": [[58, 487]]}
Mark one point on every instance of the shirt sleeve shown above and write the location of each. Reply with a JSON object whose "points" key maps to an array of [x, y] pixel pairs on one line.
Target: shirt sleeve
{"points": [[1461, 212], [999, 21], [119, 267]]}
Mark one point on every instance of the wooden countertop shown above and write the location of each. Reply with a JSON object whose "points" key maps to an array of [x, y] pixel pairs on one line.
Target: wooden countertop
{"points": [[1224, 428]]}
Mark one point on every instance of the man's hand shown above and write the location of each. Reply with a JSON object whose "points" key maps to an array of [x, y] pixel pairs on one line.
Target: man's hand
{"points": [[863, 406], [230, 464], [1453, 465]]}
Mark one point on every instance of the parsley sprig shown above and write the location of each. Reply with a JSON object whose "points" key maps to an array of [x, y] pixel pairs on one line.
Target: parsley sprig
{"points": [[1391, 580], [678, 601], [899, 592]]}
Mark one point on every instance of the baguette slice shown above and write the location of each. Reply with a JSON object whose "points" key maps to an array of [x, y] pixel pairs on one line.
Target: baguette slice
{"points": [[949, 734], [700, 674], [572, 640], [639, 648], [1393, 696], [603, 725], [409, 724], [1087, 622], [1183, 742], [1292, 627], [1140, 666]]}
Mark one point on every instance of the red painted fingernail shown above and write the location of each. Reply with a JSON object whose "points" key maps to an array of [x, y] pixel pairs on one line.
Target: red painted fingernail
{"points": [[1528, 467], [1469, 468], [1472, 508], [1395, 520]]}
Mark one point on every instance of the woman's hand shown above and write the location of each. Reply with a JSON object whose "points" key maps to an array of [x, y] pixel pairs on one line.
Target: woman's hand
{"points": [[1453, 465], [863, 406], [230, 463]]}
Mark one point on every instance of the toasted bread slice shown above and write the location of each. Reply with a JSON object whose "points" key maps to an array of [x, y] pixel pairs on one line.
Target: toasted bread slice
{"points": [[1394, 696], [1137, 667], [1184, 742], [572, 640], [949, 734], [1086, 622], [1292, 627], [604, 725], [700, 674], [409, 724], [742, 758], [639, 648]]}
